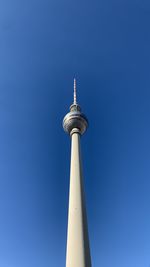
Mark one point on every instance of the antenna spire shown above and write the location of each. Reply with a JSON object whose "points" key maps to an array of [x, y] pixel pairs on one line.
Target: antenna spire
{"points": [[75, 93]]}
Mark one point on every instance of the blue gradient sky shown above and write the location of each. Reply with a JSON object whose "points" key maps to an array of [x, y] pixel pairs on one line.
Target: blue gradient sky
{"points": [[43, 45]]}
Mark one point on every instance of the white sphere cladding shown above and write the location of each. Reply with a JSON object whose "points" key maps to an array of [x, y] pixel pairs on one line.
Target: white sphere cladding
{"points": [[75, 119]]}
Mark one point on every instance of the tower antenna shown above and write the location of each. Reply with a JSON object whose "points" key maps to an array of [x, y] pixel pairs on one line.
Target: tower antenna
{"points": [[75, 93]]}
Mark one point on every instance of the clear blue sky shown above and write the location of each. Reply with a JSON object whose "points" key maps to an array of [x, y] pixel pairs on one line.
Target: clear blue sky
{"points": [[43, 45]]}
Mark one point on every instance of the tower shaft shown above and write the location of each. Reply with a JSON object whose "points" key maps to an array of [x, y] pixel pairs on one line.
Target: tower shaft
{"points": [[78, 252]]}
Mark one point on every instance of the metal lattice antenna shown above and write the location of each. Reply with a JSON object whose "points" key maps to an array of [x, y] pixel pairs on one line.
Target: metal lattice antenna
{"points": [[75, 93]]}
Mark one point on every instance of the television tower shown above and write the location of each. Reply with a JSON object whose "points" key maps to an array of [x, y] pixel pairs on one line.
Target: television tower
{"points": [[78, 251]]}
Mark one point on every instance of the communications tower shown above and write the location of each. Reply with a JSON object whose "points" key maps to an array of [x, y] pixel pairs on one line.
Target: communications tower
{"points": [[75, 124]]}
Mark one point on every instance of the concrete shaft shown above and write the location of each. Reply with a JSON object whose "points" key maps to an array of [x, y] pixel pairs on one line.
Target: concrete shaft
{"points": [[78, 252]]}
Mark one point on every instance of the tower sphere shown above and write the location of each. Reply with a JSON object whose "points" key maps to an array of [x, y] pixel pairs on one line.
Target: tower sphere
{"points": [[75, 120]]}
